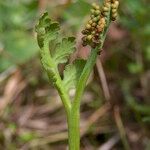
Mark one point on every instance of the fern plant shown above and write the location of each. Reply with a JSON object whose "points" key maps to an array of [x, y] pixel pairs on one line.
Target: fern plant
{"points": [[55, 50]]}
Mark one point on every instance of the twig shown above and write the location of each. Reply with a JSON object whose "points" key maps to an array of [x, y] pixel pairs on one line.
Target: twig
{"points": [[103, 79], [121, 128], [49, 139], [7, 73], [110, 143], [94, 117]]}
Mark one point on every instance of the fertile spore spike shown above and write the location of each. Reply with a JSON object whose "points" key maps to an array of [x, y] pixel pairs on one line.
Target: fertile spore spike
{"points": [[97, 23], [114, 9]]}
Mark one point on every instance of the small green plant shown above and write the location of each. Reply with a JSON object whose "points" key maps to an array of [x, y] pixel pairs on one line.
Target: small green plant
{"points": [[55, 50]]}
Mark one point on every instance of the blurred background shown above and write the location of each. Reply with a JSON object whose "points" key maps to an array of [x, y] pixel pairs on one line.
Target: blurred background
{"points": [[115, 110]]}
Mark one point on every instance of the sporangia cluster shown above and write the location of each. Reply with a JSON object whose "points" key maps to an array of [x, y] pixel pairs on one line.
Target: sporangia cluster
{"points": [[97, 23]]}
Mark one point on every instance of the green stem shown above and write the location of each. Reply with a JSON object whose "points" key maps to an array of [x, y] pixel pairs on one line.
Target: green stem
{"points": [[89, 66], [74, 130], [84, 77], [74, 116], [87, 70], [62, 93]]}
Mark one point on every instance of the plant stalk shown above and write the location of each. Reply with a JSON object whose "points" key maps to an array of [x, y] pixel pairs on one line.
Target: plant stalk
{"points": [[73, 119], [74, 115]]}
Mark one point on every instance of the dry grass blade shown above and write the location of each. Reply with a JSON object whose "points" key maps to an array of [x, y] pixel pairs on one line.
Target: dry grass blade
{"points": [[103, 79], [7, 73], [49, 139], [121, 129], [110, 143], [94, 117], [12, 89]]}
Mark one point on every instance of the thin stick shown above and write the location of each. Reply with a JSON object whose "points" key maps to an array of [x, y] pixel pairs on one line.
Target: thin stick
{"points": [[121, 128], [95, 116], [103, 79], [110, 143]]}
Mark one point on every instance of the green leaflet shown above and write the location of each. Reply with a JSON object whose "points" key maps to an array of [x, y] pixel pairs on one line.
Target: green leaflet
{"points": [[47, 31], [72, 73], [55, 51], [52, 51], [64, 49]]}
